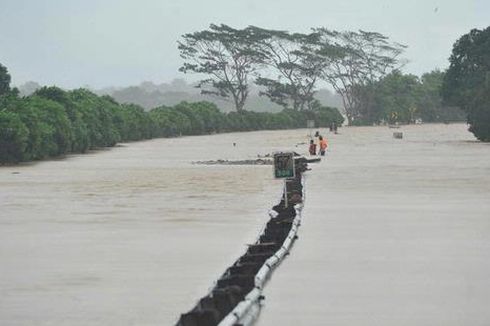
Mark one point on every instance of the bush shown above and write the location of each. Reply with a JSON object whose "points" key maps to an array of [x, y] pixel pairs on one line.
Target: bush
{"points": [[54, 122], [13, 137]]}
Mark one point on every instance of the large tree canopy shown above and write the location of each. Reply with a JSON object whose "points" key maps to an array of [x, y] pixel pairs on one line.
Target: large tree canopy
{"points": [[288, 66], [467, 81], [226, 56], [356, 61], [295, 67]]}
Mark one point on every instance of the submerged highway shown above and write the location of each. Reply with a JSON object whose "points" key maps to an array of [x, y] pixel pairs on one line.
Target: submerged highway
{"points": [[395, 231]]}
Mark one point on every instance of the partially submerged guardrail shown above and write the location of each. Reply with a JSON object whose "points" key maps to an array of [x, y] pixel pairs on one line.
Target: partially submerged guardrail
{"points": [[247, 311], [235, 298]]}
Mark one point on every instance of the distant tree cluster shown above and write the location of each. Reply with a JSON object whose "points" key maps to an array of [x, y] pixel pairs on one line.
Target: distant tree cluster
{"points": [[405, 98], [53, 122], [467, 81], [289, 66], [204, 118]]}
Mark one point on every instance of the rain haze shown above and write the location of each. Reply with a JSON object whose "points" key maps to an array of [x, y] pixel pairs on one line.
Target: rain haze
{"points": [[120, 43]]}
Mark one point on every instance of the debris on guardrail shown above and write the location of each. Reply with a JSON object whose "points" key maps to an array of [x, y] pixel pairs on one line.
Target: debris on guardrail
{"points": [[259, 161], [236, 162]]}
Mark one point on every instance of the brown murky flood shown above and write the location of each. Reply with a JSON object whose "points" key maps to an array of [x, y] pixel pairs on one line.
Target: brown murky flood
{"points": [[136, 234], [133, 235], [394, 232]]}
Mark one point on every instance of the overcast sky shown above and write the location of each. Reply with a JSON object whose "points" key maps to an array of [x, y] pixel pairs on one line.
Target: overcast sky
{"points": [[72, 43]]}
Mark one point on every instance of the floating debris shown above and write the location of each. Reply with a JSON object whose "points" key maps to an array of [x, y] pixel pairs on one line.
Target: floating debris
{"points": [[262, 160], [258, 161]]}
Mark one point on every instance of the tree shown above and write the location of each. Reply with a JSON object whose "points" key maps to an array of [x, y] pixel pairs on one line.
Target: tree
{"points": [[4, 80], [170, 122], [356, 61], [324, 115], [54, 115], [40, 142], [296, 67], [467, 80], [396, 99], [13, 137], [80, 141], [431, 106], [405, 97], [226, 56]]}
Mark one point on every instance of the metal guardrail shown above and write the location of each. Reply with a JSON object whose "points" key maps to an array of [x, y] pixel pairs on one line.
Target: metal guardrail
{"points": [[235, 298], [247, 311]]}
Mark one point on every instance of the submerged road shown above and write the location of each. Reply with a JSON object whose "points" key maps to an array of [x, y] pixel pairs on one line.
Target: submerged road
{"points": [[395, 232], [132, 235]]}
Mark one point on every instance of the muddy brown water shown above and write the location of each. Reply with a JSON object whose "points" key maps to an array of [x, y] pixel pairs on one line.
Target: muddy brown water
{"points": [[136, 234], [394, 232]]}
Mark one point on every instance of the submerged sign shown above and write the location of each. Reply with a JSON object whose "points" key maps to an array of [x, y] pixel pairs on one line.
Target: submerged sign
{"points": [[283, 165]]}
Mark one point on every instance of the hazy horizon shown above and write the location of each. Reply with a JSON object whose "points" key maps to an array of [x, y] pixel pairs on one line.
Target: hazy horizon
{"points": [[121, 43]]}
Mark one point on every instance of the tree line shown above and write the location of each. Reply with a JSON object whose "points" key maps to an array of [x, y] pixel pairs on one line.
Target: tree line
{"points": [[362, 67], [289, 66], [53, 122], [406, 98]]}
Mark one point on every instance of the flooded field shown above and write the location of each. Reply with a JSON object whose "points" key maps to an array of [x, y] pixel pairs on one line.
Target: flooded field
{"points": [[395, 231]]}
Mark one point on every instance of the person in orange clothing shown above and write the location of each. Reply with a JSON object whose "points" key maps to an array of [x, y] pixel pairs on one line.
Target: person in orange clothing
{"points": [[323, 145]]}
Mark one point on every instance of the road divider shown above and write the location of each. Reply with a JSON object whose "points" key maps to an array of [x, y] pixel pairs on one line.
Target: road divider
{"points": [[236, 297]]}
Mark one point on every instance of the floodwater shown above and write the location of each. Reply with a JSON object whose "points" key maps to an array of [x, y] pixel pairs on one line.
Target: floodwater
{"points": [[133, 235], [394, 232]]}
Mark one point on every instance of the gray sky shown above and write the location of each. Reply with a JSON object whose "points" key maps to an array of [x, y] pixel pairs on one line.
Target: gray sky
{"points": [[71, 43]]}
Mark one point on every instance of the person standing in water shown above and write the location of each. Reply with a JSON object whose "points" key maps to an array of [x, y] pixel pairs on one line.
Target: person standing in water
{"points": [[312, 148], [323, 145]]}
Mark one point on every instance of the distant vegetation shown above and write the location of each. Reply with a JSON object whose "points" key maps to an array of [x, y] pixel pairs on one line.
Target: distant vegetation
{"points": [[53, 122], [405, 98], [290, 66], [150, 95], [241, 66], [400, 97], [362, 67]]}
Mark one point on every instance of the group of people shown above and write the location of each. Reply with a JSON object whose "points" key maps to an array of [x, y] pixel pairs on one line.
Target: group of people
{"points": [[322, 145]]}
